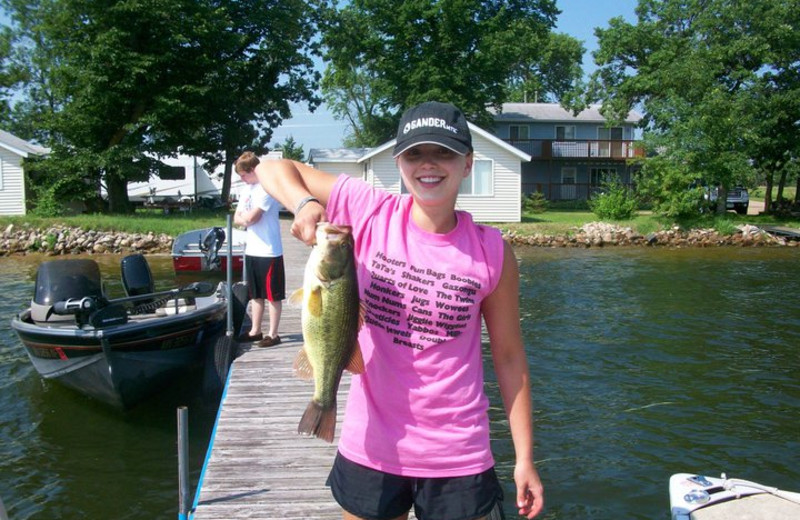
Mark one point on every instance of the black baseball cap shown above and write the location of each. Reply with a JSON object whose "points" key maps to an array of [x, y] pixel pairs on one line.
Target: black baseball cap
{"points": [[433, 123]]}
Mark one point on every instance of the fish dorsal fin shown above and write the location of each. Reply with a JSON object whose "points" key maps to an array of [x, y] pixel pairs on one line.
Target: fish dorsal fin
{"points": [[302, 367], [297, 297], [314, 305], [356, 363]]}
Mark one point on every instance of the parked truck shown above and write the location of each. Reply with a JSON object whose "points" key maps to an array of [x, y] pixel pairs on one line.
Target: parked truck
{"points": [[738, 199]]}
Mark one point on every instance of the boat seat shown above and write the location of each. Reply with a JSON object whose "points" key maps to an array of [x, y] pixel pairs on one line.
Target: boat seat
{"points": [[176, 307]]}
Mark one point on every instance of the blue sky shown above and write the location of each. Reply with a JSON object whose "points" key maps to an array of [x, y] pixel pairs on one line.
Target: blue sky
{"points": [[578, 19]]}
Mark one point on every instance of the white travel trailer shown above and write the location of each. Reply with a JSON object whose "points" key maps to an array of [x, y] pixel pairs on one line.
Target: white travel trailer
{"points": [[184, 181], [181, 179]]}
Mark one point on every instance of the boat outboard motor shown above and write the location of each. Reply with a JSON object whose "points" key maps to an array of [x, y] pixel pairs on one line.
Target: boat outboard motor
{"points": [[210, 246], [61, 280], [137, 279]]}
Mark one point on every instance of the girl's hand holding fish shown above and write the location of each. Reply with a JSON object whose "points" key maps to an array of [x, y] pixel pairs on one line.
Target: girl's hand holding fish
{"points": [[304, 227]]}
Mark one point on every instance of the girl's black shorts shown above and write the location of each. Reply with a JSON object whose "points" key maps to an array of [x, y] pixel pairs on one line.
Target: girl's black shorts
{"points": [[375, 495]]}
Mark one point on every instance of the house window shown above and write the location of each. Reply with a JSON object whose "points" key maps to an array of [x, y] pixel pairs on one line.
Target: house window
{"points": [[481, 180], [597, 176], [609, 141], [568, 189], [565, 132], [610, 134], [518, 132], [568, 175]]}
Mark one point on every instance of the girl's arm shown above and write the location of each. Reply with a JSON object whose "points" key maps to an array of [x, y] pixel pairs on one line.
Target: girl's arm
{"points": [[291, 182], [501, 314]]}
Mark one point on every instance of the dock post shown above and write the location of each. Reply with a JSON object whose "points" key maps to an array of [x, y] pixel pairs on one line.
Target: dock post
{"points": [[184, 491], [3, 514]]}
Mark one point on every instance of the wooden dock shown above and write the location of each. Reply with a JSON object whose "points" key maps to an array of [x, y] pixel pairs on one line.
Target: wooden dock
{"points": [[258, 467], [783, 231]]}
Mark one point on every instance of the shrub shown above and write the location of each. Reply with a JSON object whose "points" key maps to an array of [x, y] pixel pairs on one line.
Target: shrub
{"points": [[614, 202], [534, 203]]}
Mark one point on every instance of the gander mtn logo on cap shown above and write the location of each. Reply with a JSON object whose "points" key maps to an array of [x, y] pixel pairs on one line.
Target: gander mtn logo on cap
{"points": [[433, 123]]}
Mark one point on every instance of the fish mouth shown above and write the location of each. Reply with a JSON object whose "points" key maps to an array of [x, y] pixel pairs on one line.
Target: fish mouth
{"points": [[333, 232]]}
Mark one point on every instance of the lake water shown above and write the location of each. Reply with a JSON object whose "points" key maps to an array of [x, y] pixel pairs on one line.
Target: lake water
{"points": [[645, 362]]}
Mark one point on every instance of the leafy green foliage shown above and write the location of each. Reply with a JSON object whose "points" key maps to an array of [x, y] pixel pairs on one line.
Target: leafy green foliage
{"points": [[114, 83], [534, 203], [386, 56], [714, 78], [614, 202], [551, 71], [291, 150]]}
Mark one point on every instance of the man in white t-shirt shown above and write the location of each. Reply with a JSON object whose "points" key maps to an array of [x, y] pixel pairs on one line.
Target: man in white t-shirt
{"points": [[266, 279]]}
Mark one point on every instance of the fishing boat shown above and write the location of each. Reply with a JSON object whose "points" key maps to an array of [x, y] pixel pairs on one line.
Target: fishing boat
{"points": [[207, 250], [120, 351], [697, 497]]}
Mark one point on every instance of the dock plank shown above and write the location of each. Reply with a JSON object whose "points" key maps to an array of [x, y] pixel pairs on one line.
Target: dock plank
{"points": [[259, 466]]}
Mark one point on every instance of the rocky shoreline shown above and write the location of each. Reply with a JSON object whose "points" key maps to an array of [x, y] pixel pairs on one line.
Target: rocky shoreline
{"points": [[61, 240], [602, 234]]}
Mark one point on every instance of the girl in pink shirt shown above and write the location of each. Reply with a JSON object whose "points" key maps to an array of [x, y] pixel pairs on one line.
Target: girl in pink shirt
{"points": [[416, 428]]}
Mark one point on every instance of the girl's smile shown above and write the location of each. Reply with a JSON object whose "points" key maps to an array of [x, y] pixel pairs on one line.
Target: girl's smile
{"points": [[433, 173]]}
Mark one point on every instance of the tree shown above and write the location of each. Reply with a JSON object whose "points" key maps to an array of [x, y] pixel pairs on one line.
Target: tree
{"points": [[264, 63], [696, 67], [117, 84], [10, 75], [551, 70], [385, 56], [363, 103], [291, 150]]}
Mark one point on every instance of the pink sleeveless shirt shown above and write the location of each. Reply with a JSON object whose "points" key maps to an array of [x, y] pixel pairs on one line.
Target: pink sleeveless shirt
{"points": [[419, 409]]}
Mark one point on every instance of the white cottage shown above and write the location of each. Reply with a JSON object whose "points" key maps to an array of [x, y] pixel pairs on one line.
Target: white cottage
{"points": [[491, 193], [12, 178]]}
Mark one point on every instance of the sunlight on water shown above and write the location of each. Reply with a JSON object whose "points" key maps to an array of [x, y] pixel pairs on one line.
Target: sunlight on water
{"points": [[55, 444], [651, 362], [644, 363]]}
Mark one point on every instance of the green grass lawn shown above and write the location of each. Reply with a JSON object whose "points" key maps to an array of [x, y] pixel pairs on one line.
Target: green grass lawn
{"points": [[567, 222], [143, 221], [550, 222], [760, 192]]}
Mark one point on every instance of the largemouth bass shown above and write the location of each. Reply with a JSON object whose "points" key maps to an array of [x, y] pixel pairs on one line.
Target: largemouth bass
{"points": [[331, 316]]}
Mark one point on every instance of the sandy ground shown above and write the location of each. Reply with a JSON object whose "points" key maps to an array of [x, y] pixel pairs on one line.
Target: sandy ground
{"points": [[755, 207]]}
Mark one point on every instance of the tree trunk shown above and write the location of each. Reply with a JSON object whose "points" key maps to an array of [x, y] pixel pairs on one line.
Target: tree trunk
{"points": [[118, 201], [797, 191], [722, 200], [781, 183], [768, 193], [227, 176]]}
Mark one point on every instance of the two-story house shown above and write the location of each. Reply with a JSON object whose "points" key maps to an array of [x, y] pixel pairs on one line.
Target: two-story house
{"points": [[535, 147], [571, 155]]}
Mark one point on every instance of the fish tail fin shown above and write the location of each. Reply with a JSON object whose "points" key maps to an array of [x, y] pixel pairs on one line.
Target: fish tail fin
{"points": [[318, 421]]}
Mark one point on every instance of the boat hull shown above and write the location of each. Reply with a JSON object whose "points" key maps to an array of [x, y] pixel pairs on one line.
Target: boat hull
{"points": [[188, 255], [697, 497], [189, 262], [122, 365]]}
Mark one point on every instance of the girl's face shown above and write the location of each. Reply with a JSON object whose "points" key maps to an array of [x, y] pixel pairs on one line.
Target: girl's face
{"points": [[433, 173]]}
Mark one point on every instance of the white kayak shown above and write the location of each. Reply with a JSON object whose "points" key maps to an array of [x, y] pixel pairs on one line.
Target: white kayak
{"points": [[697, 497]]}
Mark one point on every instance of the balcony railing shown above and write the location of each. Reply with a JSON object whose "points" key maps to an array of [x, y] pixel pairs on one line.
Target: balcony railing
{"points": [[578, 148], [557, 191]]}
